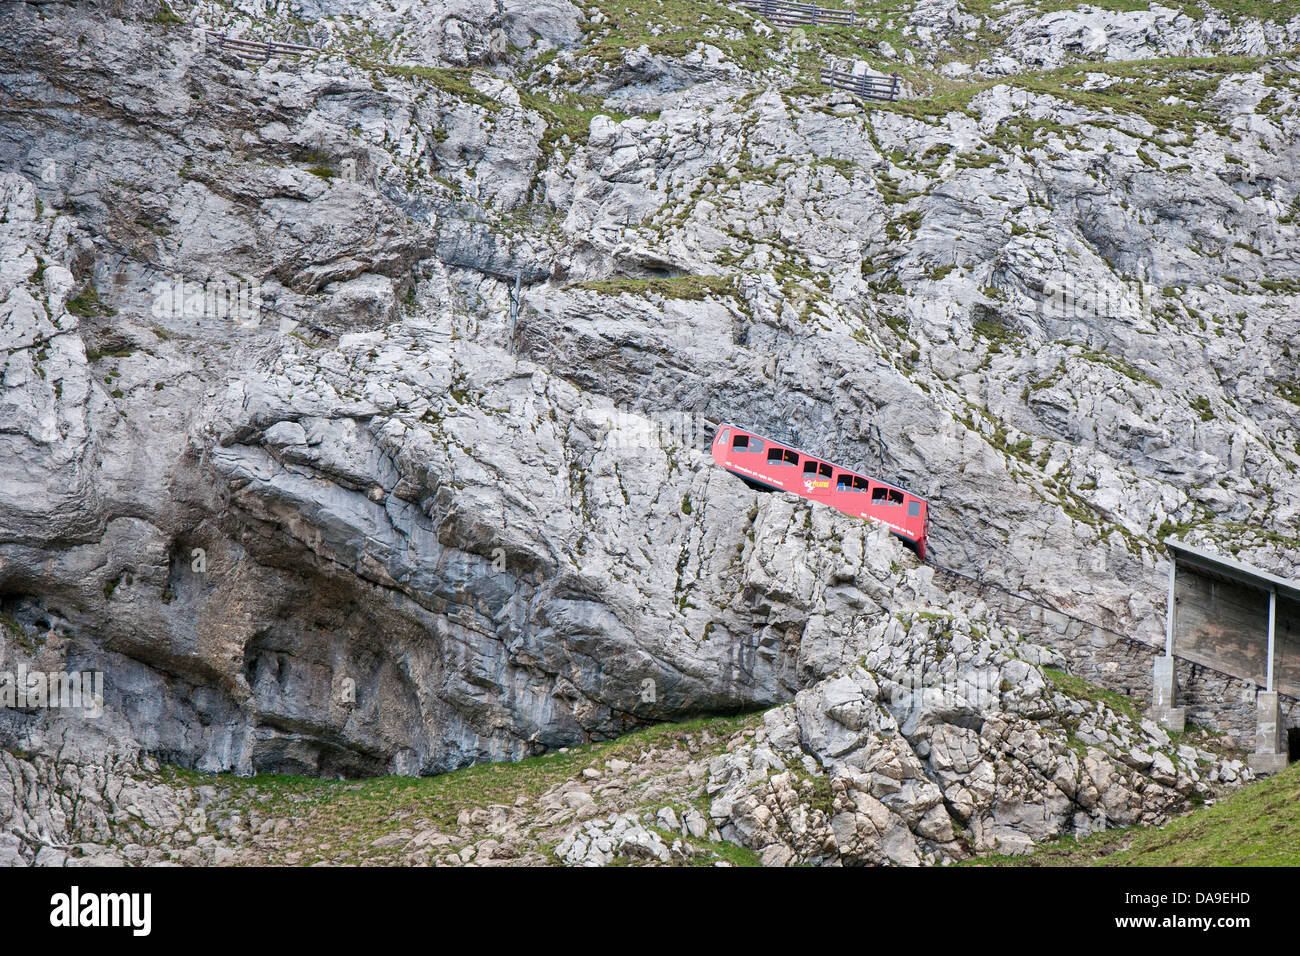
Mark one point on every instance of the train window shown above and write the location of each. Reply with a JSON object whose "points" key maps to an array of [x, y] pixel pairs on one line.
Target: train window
{"points": [[860, 484], [723, 436], [844, 482], [782, 456], [824, 470], [913, 509], [810, 467], [886, 496], [740, 441], [792, 458]]}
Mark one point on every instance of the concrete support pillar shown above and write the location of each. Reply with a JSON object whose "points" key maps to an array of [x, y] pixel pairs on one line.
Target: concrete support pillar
{"points": [[1164, 691], [1270, 742], [1272, 627]]}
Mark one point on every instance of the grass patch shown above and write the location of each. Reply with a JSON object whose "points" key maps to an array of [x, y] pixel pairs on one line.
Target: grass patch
{"points": [[1082, 690], [87, 303], [690, 288], [453, 80], [1259, 825], [568, 116], [1114, 363], [166, 15], [338, 820]]}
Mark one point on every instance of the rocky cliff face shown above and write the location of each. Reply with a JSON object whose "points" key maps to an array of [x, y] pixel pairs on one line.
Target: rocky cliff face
{"points": [[926, 733], [444, 497]]}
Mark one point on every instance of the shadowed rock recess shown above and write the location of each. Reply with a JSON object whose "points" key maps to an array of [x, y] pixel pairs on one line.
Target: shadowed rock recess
{"points": [[446, 497]]}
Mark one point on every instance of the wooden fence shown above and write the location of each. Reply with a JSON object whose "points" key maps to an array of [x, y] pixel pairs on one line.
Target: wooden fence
{"points": [[866, 85], [786, 14], [258, 49]]}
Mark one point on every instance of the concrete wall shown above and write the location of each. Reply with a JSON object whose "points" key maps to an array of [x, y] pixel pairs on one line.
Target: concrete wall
{"points": [[1221, 624], [1224, 625], [1214, 700], [1287, 639]]}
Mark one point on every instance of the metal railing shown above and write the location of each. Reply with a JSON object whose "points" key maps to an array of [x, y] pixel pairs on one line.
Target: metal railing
{"points": [[867, 85], [258, 49], [786, 13]]}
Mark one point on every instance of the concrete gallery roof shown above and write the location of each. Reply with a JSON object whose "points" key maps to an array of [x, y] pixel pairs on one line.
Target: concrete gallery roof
{"points": [[1188, 556]]}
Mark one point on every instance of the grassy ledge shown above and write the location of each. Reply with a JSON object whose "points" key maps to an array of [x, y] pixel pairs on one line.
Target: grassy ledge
{"points": [[1259, 825]]}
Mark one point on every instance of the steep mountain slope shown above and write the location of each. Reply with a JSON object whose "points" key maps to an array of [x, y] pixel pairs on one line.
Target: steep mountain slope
{"points": [[445, 497]]}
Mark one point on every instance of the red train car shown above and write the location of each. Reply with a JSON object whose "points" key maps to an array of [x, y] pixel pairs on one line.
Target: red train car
{"points": [[773, 466]]}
